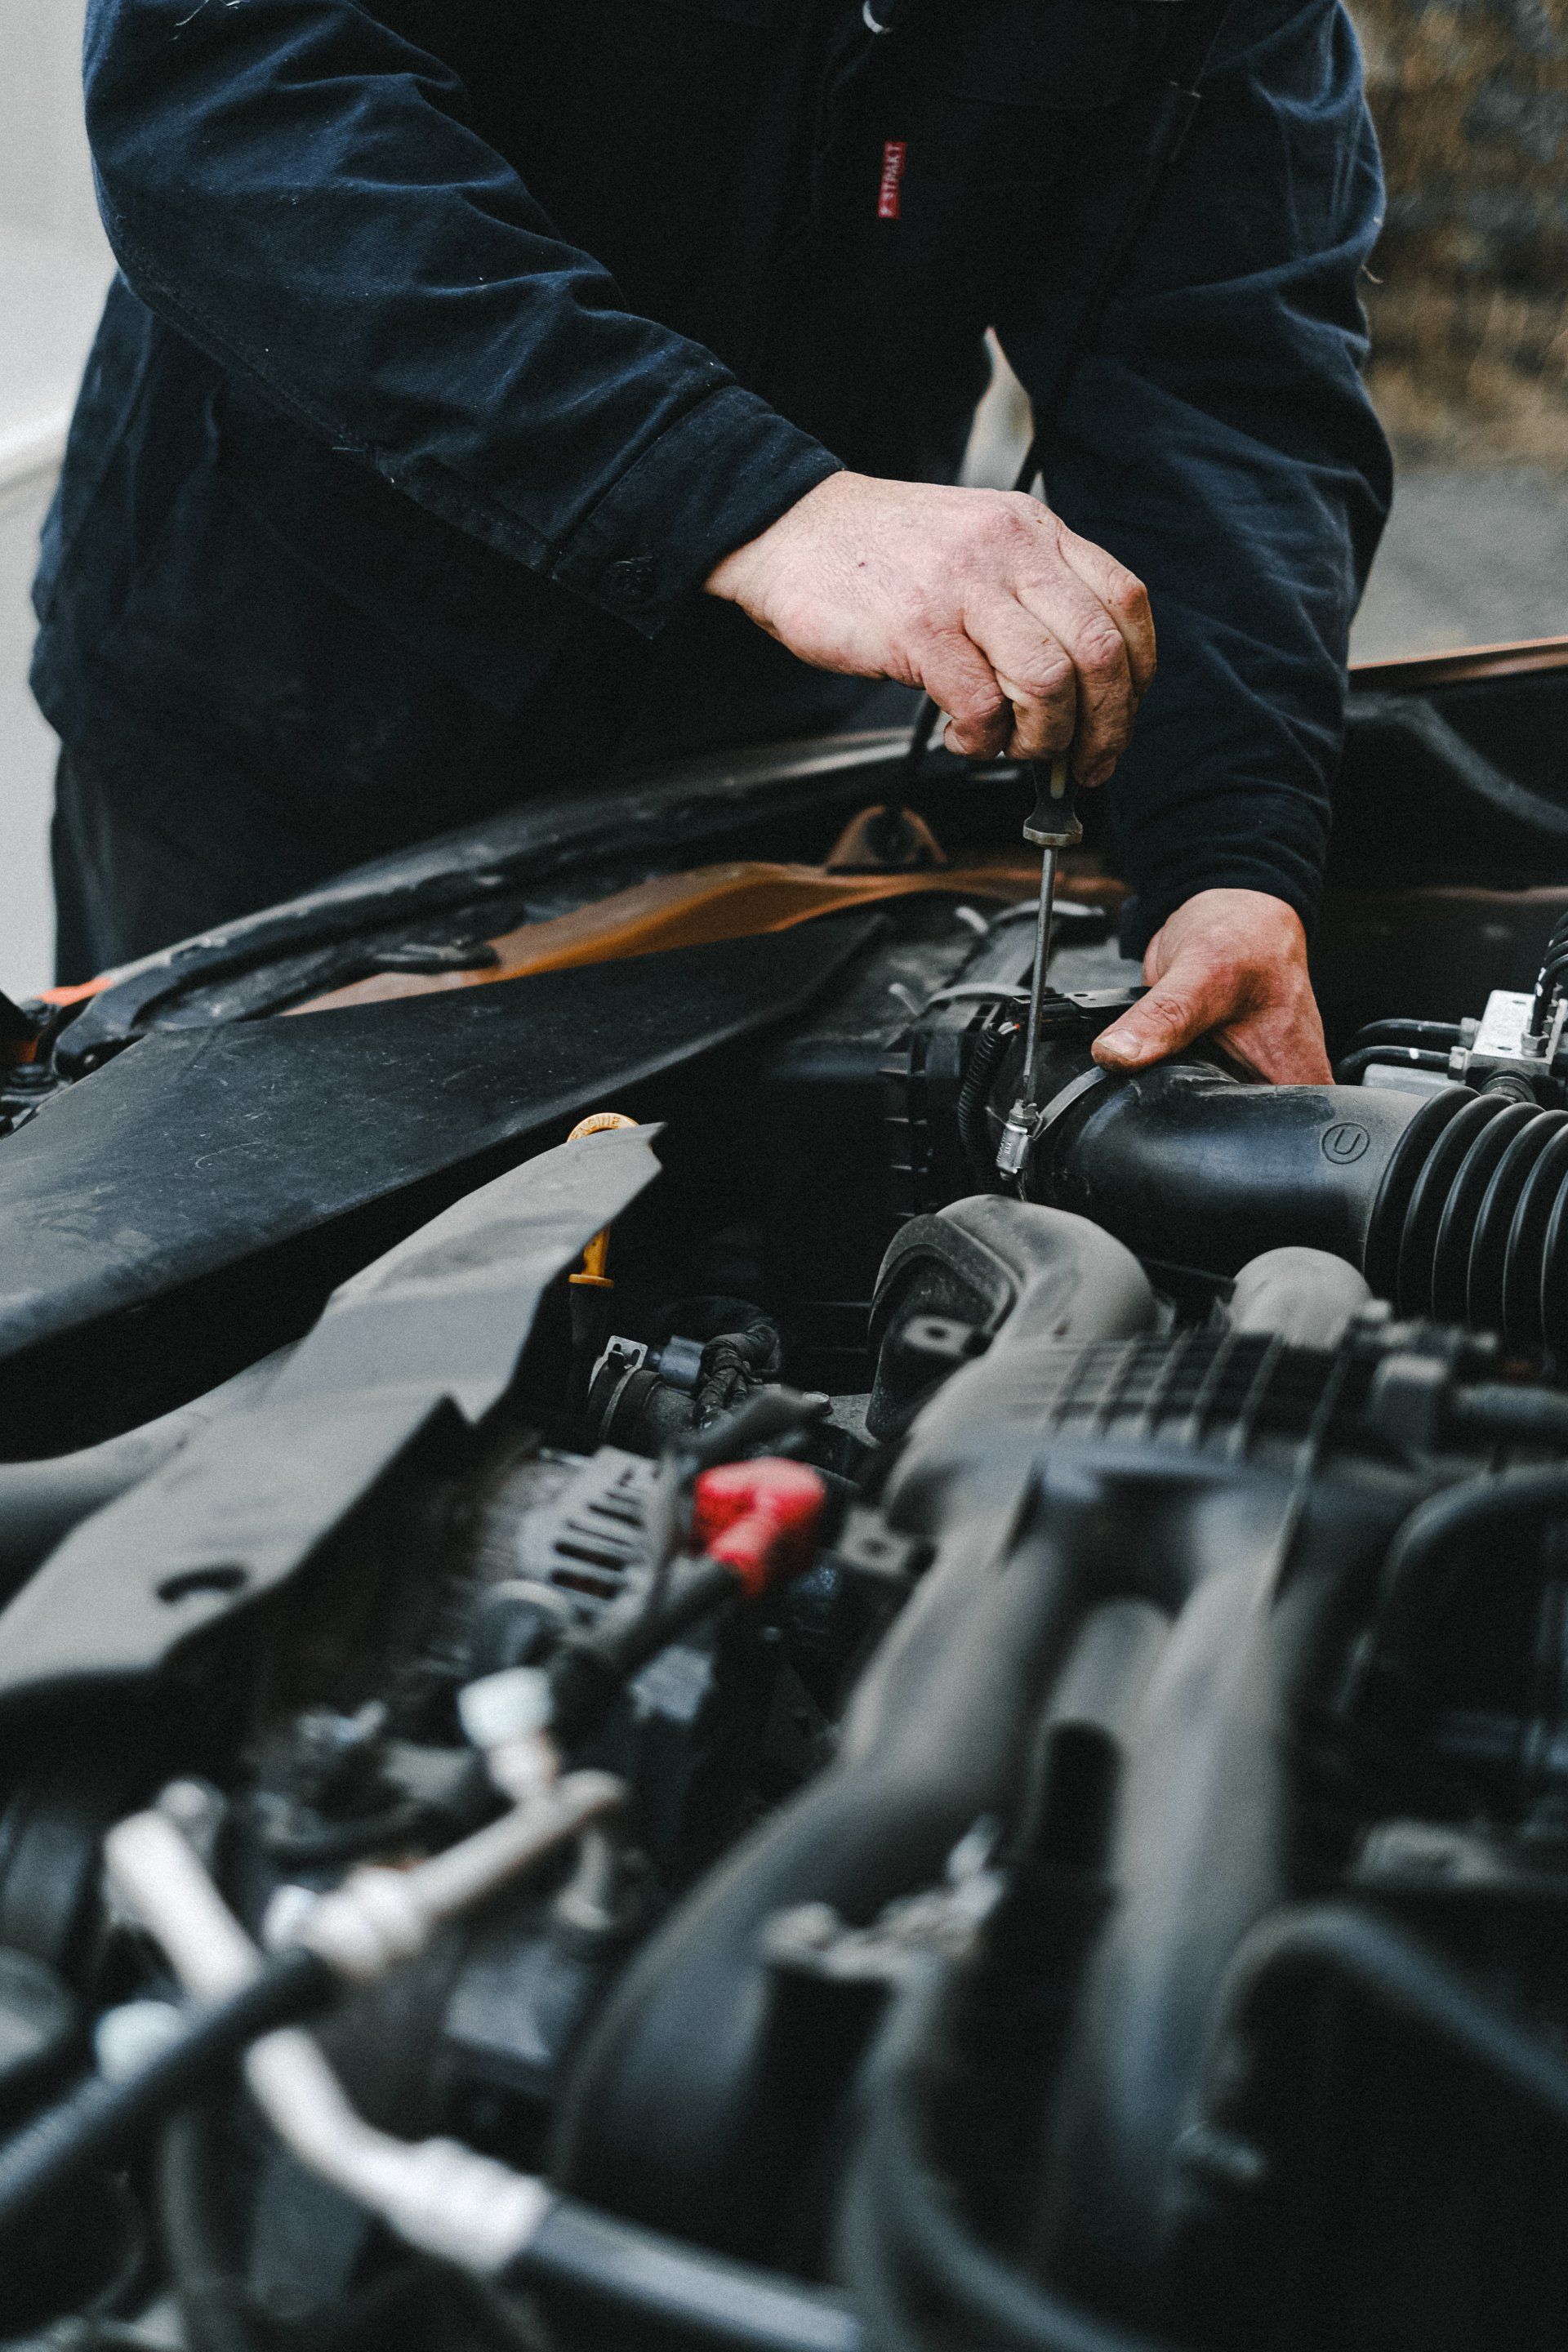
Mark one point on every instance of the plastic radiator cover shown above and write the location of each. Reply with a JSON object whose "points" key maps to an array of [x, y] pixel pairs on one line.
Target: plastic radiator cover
{"points": [[261, 1148]]}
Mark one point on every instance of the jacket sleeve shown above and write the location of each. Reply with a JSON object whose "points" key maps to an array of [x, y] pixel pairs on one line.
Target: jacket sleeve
{"points": [[1220, 444], [302, 192]]}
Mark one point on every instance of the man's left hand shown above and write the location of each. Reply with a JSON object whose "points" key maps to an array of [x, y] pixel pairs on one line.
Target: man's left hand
{"points": [[1231, 964]]}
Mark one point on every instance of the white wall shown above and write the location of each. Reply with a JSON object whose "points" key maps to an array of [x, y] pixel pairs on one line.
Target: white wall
{"points": [[44, 179], [54, 267]]}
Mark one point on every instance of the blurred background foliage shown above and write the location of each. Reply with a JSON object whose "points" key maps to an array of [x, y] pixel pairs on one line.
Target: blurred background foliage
{"points": [[1469, 307]]}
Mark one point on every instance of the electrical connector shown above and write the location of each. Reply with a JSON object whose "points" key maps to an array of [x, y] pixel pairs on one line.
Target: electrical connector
{"points": [[761, 1520]]}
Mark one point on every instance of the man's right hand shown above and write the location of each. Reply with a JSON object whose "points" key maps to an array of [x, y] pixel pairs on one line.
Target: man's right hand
{"points": [[1030, 638]]}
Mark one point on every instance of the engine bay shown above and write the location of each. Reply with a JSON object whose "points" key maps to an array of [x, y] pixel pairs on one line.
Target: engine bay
{"points": [[692, 1720]]}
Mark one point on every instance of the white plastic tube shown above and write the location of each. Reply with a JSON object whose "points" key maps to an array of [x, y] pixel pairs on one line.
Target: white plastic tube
{"points": [[378, 1917], [435, 2194]]}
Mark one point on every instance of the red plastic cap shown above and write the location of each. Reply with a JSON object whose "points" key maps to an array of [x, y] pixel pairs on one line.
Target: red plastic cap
{"points": [[759, 1520]]}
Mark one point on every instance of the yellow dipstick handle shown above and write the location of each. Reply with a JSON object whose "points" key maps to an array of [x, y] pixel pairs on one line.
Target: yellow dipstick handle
{"points": [[596, 1256]]}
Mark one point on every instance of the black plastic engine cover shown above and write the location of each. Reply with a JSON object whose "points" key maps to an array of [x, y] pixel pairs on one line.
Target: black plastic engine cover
{"points": [[280, 1154]]}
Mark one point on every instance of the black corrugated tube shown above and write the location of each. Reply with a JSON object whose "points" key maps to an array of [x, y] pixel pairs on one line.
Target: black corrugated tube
{"points": [[1471, 1225]]}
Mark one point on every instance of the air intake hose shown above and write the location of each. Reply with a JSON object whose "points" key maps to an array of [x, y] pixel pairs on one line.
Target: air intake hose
{"points": [[1453, 1204]]}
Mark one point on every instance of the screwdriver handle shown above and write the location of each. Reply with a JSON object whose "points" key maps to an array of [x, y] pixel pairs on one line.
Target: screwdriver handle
{"points": [[1053, 822]]}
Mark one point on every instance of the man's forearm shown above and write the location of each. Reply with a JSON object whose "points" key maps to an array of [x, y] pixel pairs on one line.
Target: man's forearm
{"points": [[302, 192]]}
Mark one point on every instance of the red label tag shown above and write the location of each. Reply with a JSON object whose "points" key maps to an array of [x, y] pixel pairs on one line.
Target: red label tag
{"points": [[889, 202]]}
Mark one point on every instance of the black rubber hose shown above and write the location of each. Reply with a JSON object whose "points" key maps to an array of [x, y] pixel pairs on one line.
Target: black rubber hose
{"points": [[735, 1363], [1548, 987], [1495, 1412], [1407, 1032], [770, 1414], [925, 2277], [612, 2264], [1454, 1204], [1551, 968], [102, 2119], [589, 1671], [1184, 1162], [1340, 1943], [1510, 1500], [1404, 1057]]}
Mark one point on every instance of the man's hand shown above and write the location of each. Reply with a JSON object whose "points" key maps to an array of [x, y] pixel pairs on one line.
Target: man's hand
{"points": [[1232, 964], [1030, 638]]}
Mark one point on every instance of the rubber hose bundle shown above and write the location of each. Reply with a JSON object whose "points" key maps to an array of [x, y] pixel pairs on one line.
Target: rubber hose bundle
{"points": [[1410, 1044]]}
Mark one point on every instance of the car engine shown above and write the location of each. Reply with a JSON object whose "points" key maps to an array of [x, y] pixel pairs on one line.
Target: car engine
{"points": [[744, 1734]]}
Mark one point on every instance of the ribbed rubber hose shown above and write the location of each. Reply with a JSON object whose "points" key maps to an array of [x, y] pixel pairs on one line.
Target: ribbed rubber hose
{"points": [[1471, 1222]]}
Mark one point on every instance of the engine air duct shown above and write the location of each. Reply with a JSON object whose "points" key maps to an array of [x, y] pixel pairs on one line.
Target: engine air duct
{"points": [[1454, 1204]]}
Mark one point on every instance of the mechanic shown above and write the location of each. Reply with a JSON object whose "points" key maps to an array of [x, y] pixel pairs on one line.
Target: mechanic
{"points": [[494, 394]]}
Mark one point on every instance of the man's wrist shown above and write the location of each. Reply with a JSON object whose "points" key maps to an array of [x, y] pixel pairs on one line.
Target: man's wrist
{"points": [[734, 578], [1148, 911], [712, 482]]}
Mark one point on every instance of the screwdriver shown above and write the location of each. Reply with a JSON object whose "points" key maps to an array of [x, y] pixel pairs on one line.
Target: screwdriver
{"points": [[1053, 825]]}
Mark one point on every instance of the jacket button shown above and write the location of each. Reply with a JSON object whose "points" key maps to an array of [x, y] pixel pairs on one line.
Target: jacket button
{"points": [[634, 578]]}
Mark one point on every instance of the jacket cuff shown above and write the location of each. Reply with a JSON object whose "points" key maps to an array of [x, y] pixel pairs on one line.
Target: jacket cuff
{"points": [[1285, 863], [723, 472]]}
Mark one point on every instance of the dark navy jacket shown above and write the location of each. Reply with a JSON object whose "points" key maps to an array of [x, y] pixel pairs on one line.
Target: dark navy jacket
{"points": [[456, 340]]}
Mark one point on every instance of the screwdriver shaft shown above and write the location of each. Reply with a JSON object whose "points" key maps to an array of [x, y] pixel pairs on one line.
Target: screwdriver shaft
{"points": [[1030, 1094], [1053, 826]]}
